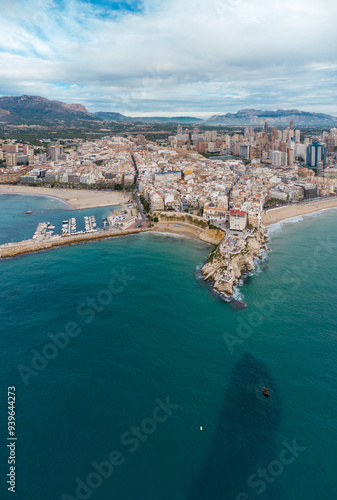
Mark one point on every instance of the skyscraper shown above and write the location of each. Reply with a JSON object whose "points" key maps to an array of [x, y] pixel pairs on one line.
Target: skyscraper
{"points": [[316, 154], [265, 127]]}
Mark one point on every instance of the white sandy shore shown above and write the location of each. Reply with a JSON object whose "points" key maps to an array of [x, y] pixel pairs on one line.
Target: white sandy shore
{"points": [[76, 198]]}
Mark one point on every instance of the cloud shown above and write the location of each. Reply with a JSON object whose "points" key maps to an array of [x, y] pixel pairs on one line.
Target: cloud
{"points": [[171, 56]]}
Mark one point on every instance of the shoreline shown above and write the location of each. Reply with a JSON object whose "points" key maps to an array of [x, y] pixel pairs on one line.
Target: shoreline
{"points": [[281, 214], [25, 247], [76, 199], [176, 228]]}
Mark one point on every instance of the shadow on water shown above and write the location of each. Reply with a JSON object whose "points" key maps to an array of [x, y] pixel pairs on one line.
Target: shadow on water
{"points": [[244, 438]]}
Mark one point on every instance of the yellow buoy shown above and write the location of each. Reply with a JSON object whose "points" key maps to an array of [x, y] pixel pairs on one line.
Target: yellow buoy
{"points": [[200, 428]]}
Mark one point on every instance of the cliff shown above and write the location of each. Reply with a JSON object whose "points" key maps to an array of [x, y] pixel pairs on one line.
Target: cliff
{"points": [[213, 236], [225, 271]]}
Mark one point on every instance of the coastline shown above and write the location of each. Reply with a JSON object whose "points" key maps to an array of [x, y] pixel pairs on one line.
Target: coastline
{"points": [[76, 198], [225, 267], [280, 214], [91, 199], [10, 250]]}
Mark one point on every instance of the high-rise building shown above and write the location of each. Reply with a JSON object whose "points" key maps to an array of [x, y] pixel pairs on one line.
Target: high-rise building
{"points": [[316, 153], [274, 134], [244, 151], [285, 134], [265, 127], [54, 152], [297, 136], [10, 148], [255, 152], [291, 125], [278, 158]]}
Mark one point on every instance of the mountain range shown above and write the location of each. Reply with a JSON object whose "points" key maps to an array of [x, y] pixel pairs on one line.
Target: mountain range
{"points": [[37, 110], [32, 109], [279, 118], [118, 117]]}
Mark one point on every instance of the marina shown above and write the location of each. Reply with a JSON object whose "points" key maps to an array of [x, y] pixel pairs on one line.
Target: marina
{"points": [[74, 230]]}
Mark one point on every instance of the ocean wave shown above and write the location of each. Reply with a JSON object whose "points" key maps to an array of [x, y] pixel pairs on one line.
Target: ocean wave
{"points": [[273, 228], [171, 235], [238, 296], [259, 261], [197, 272]]}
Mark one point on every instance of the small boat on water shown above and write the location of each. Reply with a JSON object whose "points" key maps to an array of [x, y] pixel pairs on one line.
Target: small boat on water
{"points": [[29, 212], [265, 392]]}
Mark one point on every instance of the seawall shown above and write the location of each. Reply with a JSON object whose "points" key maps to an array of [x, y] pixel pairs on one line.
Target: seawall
{"points": [[29, 246]]}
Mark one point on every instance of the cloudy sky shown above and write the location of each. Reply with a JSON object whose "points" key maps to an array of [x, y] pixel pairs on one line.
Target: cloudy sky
{"points": [[172, 57]]}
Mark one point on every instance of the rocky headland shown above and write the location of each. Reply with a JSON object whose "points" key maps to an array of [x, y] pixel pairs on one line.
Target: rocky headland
{"points": [[232, 257]]}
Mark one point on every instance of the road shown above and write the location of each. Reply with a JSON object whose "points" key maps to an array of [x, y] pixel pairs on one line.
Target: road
{"points": [[138, 202]]}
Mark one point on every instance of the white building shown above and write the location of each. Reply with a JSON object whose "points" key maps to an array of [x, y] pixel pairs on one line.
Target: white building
{"points": [[237, 220]]}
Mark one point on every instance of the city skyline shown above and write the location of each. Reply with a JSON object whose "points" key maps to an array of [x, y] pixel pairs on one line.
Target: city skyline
{"points": [[150, 58]]}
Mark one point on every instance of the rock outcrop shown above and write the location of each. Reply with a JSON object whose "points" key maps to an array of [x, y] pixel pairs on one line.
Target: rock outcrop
{"points": [[225, 271]]}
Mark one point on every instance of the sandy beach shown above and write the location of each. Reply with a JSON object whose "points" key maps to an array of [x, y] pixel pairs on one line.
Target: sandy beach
{"points": [[278, 214], [76, 198], [179, 229]]}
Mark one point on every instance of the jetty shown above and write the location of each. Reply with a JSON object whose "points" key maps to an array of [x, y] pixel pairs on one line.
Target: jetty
{"points": [[41, 243]]}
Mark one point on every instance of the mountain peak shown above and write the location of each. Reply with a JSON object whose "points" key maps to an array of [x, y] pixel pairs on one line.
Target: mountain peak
{"points": [[280, 117]]}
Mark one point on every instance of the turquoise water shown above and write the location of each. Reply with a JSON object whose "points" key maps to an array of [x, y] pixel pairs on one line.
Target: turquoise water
{"points": [[144, 327]]}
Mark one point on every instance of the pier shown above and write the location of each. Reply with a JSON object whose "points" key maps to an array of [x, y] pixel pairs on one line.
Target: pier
{"points": [[33, 245]]}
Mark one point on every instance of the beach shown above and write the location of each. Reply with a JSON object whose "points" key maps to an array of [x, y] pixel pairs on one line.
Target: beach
{"points": [[278, 214], [76, 198], [179, 229]]}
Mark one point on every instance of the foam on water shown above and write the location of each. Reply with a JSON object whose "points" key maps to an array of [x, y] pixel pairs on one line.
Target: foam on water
{"points": [[162, 336], [273, 228]]}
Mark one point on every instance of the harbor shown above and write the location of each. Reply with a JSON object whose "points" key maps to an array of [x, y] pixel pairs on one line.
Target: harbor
{"points": [[83, 227]]}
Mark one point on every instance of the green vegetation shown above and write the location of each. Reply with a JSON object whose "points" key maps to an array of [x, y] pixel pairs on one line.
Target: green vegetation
{"points": [[93, 187], [211, 226], [145, 204], [273, 202], [185, 218], [212, 254]]}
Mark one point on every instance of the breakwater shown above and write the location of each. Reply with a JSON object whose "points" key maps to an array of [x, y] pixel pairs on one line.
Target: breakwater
{"points": [[29, 246]]}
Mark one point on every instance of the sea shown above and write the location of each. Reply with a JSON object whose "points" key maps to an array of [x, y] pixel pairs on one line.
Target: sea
{"points": [[134, 380]]}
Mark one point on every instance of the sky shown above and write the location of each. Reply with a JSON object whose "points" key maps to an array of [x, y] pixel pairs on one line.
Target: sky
{"points": [[172, 57]]}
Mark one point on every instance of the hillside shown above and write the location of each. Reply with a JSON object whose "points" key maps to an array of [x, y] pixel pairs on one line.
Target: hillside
{"points": [[35, 109], [145, 119], [279, 118]]}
